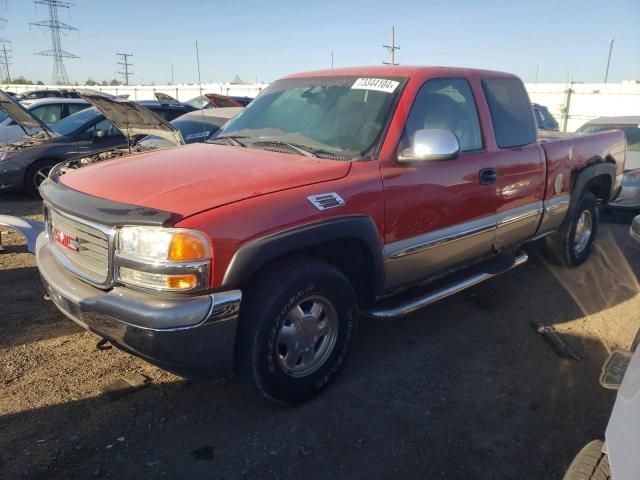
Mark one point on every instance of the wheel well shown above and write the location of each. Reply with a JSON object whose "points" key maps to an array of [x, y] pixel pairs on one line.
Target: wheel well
{"points": [[350, 255], [600, 186]]}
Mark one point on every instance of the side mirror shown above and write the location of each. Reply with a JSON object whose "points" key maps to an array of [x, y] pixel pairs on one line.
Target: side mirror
{"points": [[430, 145], [100, 134]]}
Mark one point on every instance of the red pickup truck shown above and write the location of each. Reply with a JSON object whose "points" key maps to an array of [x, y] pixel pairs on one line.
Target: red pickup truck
{"points": [[336, 195]]}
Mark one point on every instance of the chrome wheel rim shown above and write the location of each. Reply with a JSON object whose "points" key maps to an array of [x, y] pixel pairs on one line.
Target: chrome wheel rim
{"points": [[307, 336], [41, 175], [584, 228]]}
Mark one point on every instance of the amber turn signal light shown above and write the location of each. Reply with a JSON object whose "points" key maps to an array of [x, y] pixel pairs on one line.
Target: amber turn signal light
{"points": [[186, 247]]}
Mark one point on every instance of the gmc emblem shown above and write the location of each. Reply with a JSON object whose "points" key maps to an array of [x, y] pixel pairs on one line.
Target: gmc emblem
{"points": [[67, 241]]}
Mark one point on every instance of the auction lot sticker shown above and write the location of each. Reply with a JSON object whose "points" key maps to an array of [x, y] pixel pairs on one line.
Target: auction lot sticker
{"points": [[379, 84]]}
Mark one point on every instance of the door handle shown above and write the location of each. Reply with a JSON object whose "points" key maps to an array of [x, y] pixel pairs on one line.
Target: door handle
{"points": [[487, 176]]}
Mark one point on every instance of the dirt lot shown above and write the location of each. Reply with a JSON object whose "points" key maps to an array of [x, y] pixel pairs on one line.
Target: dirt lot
{"points": [[464, 389]]}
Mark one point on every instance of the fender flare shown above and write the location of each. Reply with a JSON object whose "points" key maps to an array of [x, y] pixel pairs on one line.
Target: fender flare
{"points": [[249, 258], [583, 176]]}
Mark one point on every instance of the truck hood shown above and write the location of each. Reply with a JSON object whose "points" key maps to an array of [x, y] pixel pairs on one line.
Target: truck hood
{"points": [[200, 176], [21, 115], [131, 118]]}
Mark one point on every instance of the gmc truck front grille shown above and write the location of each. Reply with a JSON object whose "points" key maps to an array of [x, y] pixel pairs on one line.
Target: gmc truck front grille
{"points": [[81, 246]]}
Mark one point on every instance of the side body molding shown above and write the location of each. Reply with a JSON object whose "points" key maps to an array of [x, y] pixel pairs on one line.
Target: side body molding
{"points": [[251, 257]]}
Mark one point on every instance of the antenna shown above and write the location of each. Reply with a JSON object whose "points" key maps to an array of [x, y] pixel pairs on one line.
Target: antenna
{"points": [[392, 48], [200, 85], [125, 64], [55, 26]]}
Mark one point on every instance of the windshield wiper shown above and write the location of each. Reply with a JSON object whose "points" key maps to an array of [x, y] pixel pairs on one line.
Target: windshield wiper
{"points": [[301, 149], [231, 139]]}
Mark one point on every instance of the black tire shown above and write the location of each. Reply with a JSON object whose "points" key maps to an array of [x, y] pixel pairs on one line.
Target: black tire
{"points": [[267, 304], [561, 247], [34, 176], [589, 464]]}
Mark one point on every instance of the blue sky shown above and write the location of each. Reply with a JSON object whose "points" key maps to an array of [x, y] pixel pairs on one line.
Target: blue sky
{"points": [[268, 39]]}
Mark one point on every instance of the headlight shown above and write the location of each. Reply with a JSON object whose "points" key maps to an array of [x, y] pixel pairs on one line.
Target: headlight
{"points": [[172, 259]]}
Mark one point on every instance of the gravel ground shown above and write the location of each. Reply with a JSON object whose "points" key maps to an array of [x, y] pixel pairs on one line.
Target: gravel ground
{"points": [[463, 389]]}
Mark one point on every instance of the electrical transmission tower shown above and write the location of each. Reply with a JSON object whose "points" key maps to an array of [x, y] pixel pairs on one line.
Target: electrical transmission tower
{"points": [[5, 55], [125, 64], [392, 48], [55, 27], [5, 60]]}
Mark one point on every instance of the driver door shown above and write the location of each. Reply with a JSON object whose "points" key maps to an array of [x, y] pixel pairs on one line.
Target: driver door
{"points": [[439, 213]]}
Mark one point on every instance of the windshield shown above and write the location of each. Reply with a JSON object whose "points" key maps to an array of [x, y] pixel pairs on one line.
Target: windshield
{"points": [[73, 122], [631, 133], [335, 117], [198, 102]]}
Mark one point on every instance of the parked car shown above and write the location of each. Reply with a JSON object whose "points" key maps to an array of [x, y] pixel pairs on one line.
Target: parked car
{"points": [[618, 457], [544, 119], [48, 110], [373, 190], [193, 127], [53, 93], [214, 100], [169, 110], [634, 230], [629, 197], [25, 163]]}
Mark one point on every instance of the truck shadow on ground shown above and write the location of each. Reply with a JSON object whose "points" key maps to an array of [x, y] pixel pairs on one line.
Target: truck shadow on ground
{"points": [[465, 388]]}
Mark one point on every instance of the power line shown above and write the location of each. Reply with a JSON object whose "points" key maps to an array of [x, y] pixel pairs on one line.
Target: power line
{"points": [[392, 48], [54, 26], [125, 64]]}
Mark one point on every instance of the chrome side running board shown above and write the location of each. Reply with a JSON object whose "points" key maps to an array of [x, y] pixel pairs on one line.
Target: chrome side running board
{"points": [[420, 302]]}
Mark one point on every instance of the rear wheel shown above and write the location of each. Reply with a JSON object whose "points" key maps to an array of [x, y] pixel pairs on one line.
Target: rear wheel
{"points": [[591, 463], [36, 173], [571, 245], [297, 324]]}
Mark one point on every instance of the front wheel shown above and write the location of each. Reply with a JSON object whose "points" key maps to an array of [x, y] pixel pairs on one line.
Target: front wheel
{"points": [[296, 329], [571, 245], [36, 174]]}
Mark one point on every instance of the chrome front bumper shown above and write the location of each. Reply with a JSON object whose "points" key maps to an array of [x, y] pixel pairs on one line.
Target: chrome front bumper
{"points": [[190, 336]]}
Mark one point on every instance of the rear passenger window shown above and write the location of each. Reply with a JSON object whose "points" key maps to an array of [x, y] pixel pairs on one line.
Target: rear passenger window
{"points": [[447, 104], [510, 109]]}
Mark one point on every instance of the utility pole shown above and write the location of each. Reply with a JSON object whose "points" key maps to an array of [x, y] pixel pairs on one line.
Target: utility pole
{"points": [[125, 64], [537, 71], [54, 26], [392, 48], [606, 72], [171, 73], [331, 58]]}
